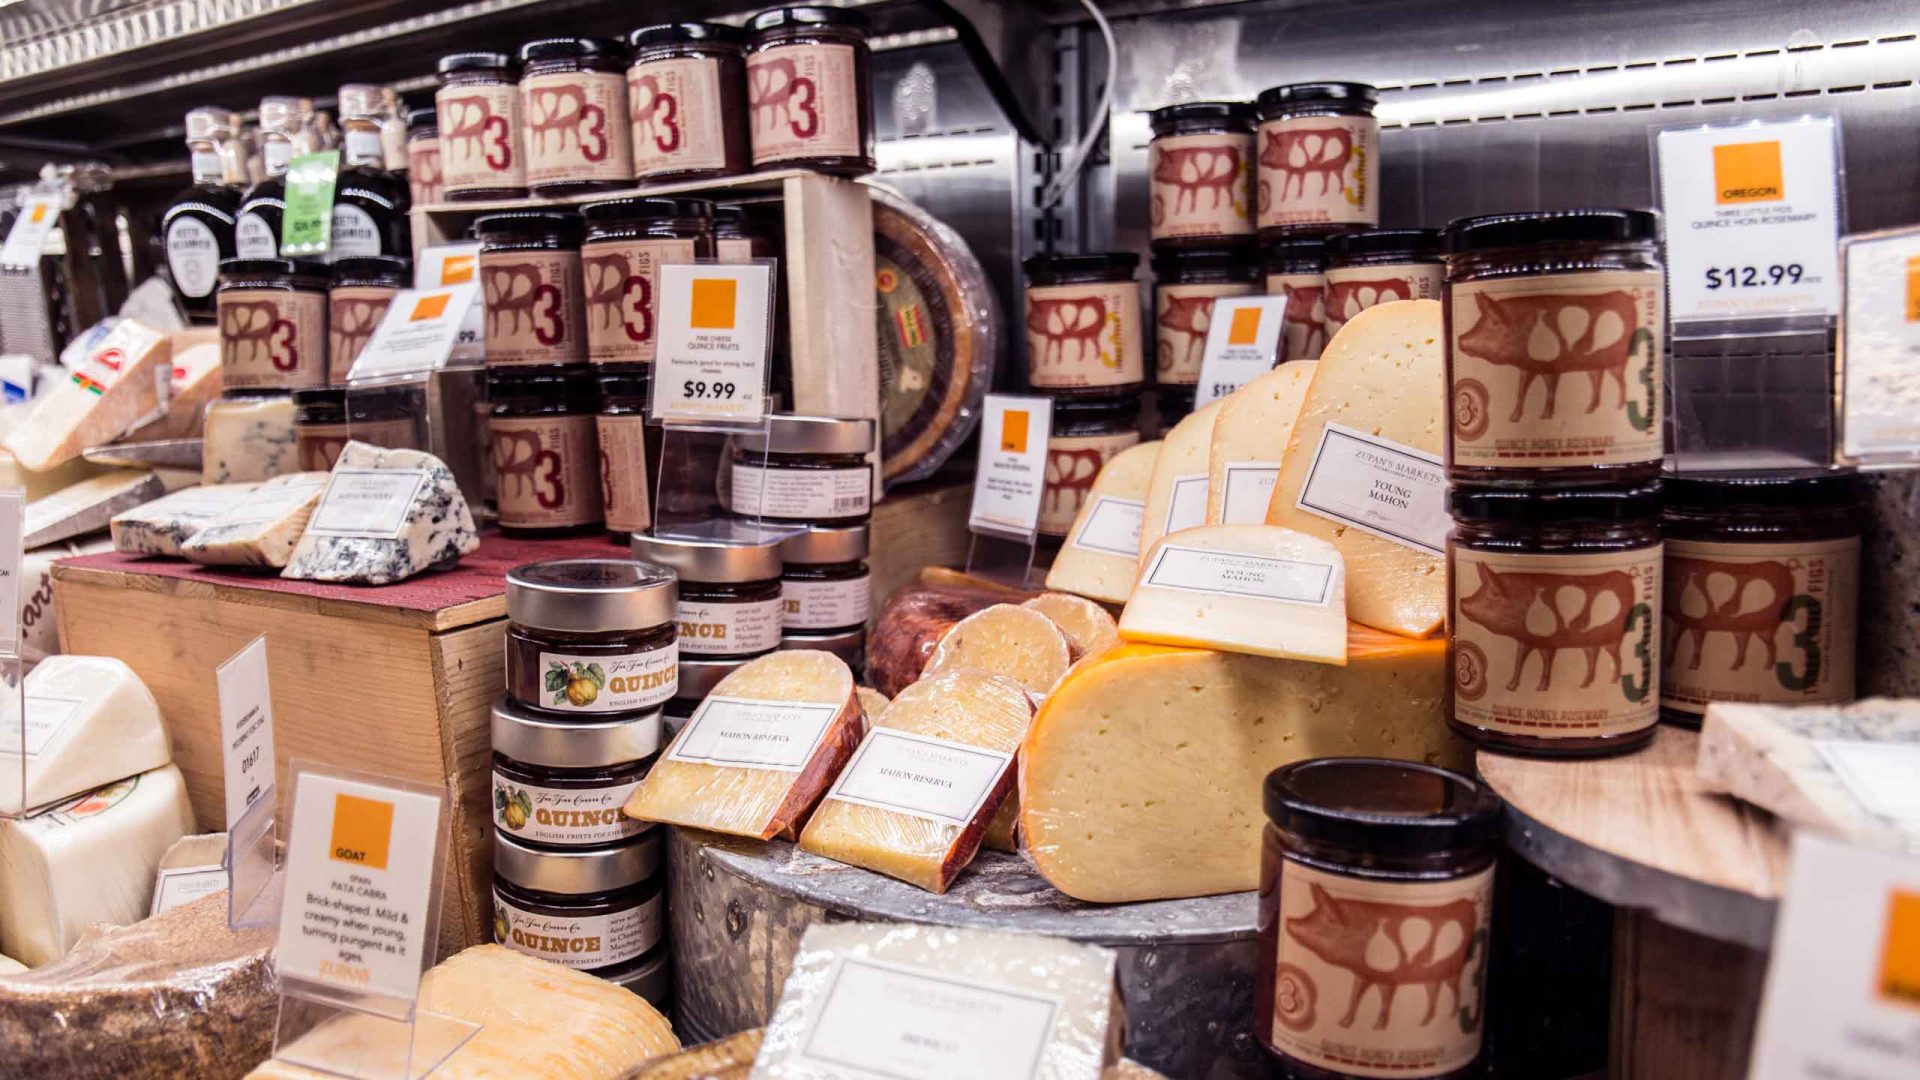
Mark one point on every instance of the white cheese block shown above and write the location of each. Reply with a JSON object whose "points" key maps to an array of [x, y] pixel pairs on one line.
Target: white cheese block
{"points": [[1254, 589], [1103, 546], [10, 966], [263, 528], [163, 525], [91, 859], [1249, 436], [39, 630], [375, 530], [1783, 758], [1177, 492], [247, 439], [87, 506], [122, 383], [90, 721], [39, 485], [195, 383]]}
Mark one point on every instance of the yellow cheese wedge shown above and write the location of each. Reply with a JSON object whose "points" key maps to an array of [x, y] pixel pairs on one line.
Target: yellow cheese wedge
{"points": [[123, 382], [1005, 639], [1382, 385], [872, 702], [1103, 546], [1140, 779], [195, 382], [1177, 494], [1249, 437], [1086, 624], [1254, 589]]}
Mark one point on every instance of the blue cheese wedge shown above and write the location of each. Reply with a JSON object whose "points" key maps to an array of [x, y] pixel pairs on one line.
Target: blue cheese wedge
{"points": [[248, 439], [162, 526], [386, 515], [1842, 768], [263, 529]]}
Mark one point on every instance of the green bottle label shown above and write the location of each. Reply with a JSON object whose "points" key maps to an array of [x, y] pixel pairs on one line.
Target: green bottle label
{"points": [[306, 227]]}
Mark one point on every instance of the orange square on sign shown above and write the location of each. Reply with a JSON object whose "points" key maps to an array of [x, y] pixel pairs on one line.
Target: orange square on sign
{"points": [[362, 831], [1913, 288], [457, 270], [1900, 951], [1013, 432], [713, 303], [430, 307], [1245, 327], [39, 213], [1747, 172]]}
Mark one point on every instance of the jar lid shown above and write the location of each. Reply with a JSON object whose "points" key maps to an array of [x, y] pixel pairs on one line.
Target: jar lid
{"points": [[1411, 245], [373, 268], [1276, 98], [1222, 259], [698, 676], [849, 645], [565, 223], [822, 545], [574, 742], [572, 48], [801, 17], [591, 596], [313, 274], [211, 122], [423, 119], [652, 980], [1082, 409], [645, 208], [789, 434], [280, 115], [1597, 225], [311, 402], [572, 384], [740, 555], [1297, 249], [1532, 506], [1121, 263], [386, 401], [685, 33], [473, 61], [1231, 113], [578, 871], [1376, 806], [1767, 489]]}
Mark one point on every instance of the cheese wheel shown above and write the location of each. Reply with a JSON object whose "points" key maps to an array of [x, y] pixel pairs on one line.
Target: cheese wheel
{"points": [[1087, 625], [872, 702], [1256, 589], [1249, 436], [918, 615], [1102, 548], [1009, 640], [1177, 493]]}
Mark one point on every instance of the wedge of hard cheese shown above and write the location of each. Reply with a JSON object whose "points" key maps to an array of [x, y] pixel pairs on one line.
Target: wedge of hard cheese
{"points": [[195, 382], [386, 516], [1177, 492], [760, 751], [122, 383], [1140, 779], [264, 528], [248, 439], [1103, 546], [914, 801], [90, 721], [1086, 624], [1244, 588], [88, 506], [1363, 464], [1009, 640], [1849, 769], [1249, 437], [10, 966], [162, 526], [872, 702]]}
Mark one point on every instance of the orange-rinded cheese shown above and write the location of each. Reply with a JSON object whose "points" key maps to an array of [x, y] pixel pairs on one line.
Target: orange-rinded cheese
{"points": [[1249, 435], [1103, 546], [1363, 465], [1254, 589], [1087, 625], [1177, 494], [759, 751], [914, 801], [1009, 640], [1140, 779]]}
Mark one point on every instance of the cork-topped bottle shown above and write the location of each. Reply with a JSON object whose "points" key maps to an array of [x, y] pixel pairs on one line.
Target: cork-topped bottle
{"points": [[197, 229]]}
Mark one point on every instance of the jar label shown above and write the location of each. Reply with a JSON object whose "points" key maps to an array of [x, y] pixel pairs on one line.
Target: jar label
{"points": [[480, 137], [826, 605], [1072, 463], [535, 307], [423, 171], [1199, 185], [253, 238], [353, 311], [922, 776], [576, 127], [1306, 314], [1380, 978], [317, 447], [678, 118], [565, 816], [736, 250], [1513, 340], [584, 942], [1353, 289], [604, 684], [1766, 623], [805, 101], [622, 279], [1556, 646], [1320, 170], [1180, 321], [623, 473], [801, 494], [354, 233], [721, 628], [193, 256], [1084, 335], [754, 733], [272, 339], [547, 468]]}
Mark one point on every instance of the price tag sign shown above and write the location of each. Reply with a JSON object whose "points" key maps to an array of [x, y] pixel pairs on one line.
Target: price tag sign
{"points": [[1243, 343], [1880, 347], [28, 237], [444, 267], [715, 336], [246, 728], [1752, 219], [1013, 465], [417, 334], [306, 226]]}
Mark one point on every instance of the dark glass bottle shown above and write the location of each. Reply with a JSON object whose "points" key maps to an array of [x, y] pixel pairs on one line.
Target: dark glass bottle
{"points": [[257, 233], [369, 203], [197, 228]]}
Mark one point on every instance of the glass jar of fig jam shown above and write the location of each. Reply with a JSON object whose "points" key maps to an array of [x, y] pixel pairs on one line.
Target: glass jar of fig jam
{"points": [[626, 446], [573, 103], [739, 235], [1200, 162], [687, 92], [362, 287], [1762, 588], [273, 324], [1319, 158], [810, 90], [424, 180], [627, 242], [730, 594], [804, 470], [1553, 635], [546, 455], [1083, 324], [530, 265], [601, 910], [591, 635], [479, 122], [1555, 327], [326, 418], [1296, 268], [825, 580], [1086, 433], [1186, 282], [1379, 266], [1359, 853], [561, 782]]}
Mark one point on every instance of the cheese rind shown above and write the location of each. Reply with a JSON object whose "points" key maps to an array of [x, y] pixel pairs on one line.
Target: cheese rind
{"points": [[88, 506], [1180, 467], [248, 439], [1249, 435], [435, 530], [162, 526], [1087, 625], [196, 381], [1009, 640], [122, 383], [1102, 549], [264, 528], [1769, 755], [90, 721], [10, 966], [1255, 589]]}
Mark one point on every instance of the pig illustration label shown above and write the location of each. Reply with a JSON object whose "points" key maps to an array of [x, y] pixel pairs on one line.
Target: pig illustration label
{"points": [[1353, 289], [1180, 329], [1319, 170], [1199, 186], [803, 102], [1306, 316], [1072, 463], [1084, 335]]}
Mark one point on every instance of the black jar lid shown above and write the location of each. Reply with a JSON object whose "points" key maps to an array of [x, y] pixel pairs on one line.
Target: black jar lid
{"points": [[721, 552], [645, 208], [422, 120], [1531, 506], [1276, 254], [1766, 489], [474, 61], [1277, 98], [394, 270], [578, 871], [783, 18], [1230, 259], [303, 272], [825, 546], [686, 33], [320, 405], [574, 742], [1114, 264], [386, 402], [735, 221], [562, 223], [1377, 806], [1237, 114], [592, 596], [1408, 245], [625, 381], [1080, 409], [572, 384], [791, 434], [572, 48], [1594, 225]]}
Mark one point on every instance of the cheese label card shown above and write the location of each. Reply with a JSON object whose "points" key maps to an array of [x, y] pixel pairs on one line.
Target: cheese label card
{"points": [[185, 884], [1249, 488], [306, 225], [13, 523], [1231, 573], [45, 718], [748, 733], [1243, 343], [1379, 486], [1879, 774], [246, 727], [417, 334], [1112, 526], [921, 775], [449, 265], [28, 237], [1012, 474], [1880, 346], [881, 1019], [714, 337], [371, 503], [1187, 507]]}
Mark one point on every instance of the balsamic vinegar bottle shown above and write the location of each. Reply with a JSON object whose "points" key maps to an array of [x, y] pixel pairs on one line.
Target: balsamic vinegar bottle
{"points": [[197, 229], [369, 203], [257, 235]]}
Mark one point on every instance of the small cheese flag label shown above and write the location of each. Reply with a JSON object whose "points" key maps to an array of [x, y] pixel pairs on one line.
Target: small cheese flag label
{"points": [[714, 340]]}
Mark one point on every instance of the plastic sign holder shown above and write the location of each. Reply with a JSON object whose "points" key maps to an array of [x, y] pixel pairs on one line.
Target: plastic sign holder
{"points": [[39, 216], [1008, 486], [18, 746], [246, 742], [1876, 396], [457, 264], [1243, 343], [306, 225]]}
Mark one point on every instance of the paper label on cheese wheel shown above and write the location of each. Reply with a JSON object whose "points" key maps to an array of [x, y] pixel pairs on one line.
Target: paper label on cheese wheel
{"points": [[354, 233], [1320, 170], [193, 257], [80, 807], [353, 311], [582, 942], [1353, 289], [253, 238], [805, 103], [367, 503], [480, 137], [575, 127], [678, 122], [623, 473], [1187, 507], [622, 283], [1306, 319], [1073, 461], [1084, 335], [423, 171], [569, 817], [536, 307], [1112, 527], [1238, 574], [603, 684], [46, 717], [920, 775], [1182, 314], [272, 339], [740, 628], [1354, 994], [185, 884], [826, 605], [1556, 646], [1771, 624], [889, 1020], [801, 494], [750, 733], [1248, 488], [546, 470], [1557, 371], [1379, 486], [1199, 185]]}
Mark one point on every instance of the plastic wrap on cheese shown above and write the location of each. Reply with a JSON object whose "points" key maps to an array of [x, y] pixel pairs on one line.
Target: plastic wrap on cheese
{"points": [[872, 702], [1177, 491], [90, 721], [1103, 544], [731, 1058], [1009, 640], [1087, 626], [918, 615], [1249, 437], [1256, 589]]}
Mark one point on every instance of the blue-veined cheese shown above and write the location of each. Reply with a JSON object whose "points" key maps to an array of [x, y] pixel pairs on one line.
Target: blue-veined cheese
{"points": [[163, 525], [375, 529], [263, 529], [1847, 769], [247, 439]]}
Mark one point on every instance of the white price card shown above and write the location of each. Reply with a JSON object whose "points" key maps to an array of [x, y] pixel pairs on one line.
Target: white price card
{"points": [[1843, 983], [13, 517], [246, 727], [28, 237], [417, 334], [888, 1020], [1012, 475], [714, 335], [1243, 343], [1752, 219], [444, 267], [185, 884], [1880, 347]]}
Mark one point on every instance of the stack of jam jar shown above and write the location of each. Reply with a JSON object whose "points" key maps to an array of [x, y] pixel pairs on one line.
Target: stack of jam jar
{"points": [[592, 656]]}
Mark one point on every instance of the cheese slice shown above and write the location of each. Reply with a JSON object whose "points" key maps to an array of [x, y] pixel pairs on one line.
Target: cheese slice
{"points": [[162, 526], [248, 439], [1177, 492], [90, 721], [1009, 640], [760, 751], [10, 966], [1381, 384], [1087, 625], [263, 529], [1253, 589], [90, 859], [1783, 758], [39, 485], [428, 531], [122, 383], [872, 702], [1141, 777], [89, 505], [1102, 548], [39, 629], [195, 382], [914, 801], [1249, 436]]}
